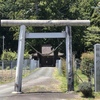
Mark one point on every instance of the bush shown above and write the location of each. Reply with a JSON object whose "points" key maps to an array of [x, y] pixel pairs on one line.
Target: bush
{"points": [[0, 67], [9, 55], [26, 55], [63, 67], [87, 63], [86, 89], [8, 68]]}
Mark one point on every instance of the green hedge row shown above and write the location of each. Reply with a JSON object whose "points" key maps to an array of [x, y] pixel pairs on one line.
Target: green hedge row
{"points": [[9, 55]]}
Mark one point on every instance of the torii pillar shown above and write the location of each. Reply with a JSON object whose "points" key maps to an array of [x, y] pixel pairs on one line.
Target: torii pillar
{"points": [[19, 68], [43, 23], [69, 66]]}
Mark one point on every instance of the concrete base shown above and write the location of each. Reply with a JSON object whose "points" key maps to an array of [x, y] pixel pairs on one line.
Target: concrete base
{"points": [[14, 92]]}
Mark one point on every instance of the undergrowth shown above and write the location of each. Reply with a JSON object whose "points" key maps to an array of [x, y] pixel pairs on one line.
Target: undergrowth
{"points": [[62, 79]]}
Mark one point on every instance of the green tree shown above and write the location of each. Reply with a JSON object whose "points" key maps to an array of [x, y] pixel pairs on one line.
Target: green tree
{"points": [[46, 9], [92, 35], [80, 9], [95, 18], [5, 9]]}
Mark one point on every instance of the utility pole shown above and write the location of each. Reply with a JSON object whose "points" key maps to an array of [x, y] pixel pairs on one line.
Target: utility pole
{"points": [[3, 43], [2, 53]]}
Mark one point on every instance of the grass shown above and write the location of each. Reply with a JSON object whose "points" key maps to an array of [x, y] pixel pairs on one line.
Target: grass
{"points": [[79, 78], [63, 85], [96, 95], [62, 79]]}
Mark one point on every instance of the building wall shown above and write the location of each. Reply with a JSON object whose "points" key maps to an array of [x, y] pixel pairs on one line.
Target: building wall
{"points": [[47, 61]]}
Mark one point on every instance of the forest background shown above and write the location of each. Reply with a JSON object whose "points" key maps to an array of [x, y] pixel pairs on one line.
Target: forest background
{"points": [[83, 38]]}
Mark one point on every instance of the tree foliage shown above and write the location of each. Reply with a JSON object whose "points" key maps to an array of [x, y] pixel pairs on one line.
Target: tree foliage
{"points": [[51, 9], [92, 35], [9, 55]]}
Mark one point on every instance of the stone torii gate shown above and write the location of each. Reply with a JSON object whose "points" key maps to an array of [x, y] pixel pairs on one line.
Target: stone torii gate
{"points": [[42, 23]]}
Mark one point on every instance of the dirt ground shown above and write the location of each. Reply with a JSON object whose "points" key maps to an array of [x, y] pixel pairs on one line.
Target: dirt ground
{"points": [[7, 73], [43, 96], [6, 76]]}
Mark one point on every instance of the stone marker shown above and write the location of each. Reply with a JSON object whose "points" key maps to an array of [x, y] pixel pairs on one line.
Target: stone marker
{"points": [[97, 67]]}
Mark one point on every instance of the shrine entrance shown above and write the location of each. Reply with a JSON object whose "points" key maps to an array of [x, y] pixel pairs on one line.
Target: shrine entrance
{"points": [[42, 23]]}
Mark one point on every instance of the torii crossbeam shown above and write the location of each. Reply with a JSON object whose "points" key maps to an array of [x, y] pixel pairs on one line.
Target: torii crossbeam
{"points": [[40, 23]]}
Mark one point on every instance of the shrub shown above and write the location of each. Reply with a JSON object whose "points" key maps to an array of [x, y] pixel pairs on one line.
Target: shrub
{"points": [[8, 68], [86, 89], [26, 55], [63, 67], [0, 67], [8, 55], [87, 63]]}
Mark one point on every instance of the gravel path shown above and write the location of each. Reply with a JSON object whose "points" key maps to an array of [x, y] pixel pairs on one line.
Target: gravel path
{"points": [[40, 85], [7, 89]]}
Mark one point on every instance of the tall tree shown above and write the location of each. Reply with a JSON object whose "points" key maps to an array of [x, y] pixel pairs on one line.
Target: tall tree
{"points": [[80, 10], [92, 35], [48, 9]]}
